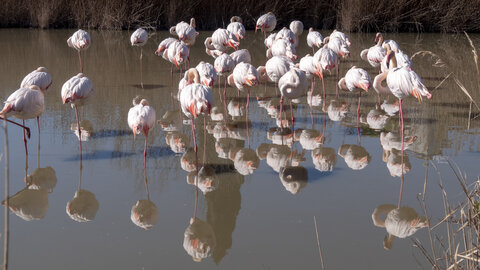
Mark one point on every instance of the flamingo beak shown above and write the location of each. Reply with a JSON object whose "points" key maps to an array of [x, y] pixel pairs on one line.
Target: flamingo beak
{"points": [[175, 62], [134, 133], [256, 28], [193, 109], [416, 94], [318, 72], [230, 43], [364, 86], [251, 82]]}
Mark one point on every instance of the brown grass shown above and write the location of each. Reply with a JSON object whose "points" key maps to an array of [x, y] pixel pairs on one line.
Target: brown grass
{"points": [[348, 15]]}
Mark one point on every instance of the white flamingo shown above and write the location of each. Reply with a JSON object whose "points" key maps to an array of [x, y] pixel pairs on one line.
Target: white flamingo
{"points": [[24, 103], [139, 38], [292, 84], [141, 118], [266, 23], [282, 47], [39, 77], [222, 39], [207, 73], [80, 40], [314, 39], [296, 27], [236, 27], [185, 32], [341, 35], [77, 91], [375, 54], [240, 56], [277, 66]]}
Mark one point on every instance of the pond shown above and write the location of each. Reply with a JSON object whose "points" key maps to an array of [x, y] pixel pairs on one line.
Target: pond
{"points": [[330, 168]]}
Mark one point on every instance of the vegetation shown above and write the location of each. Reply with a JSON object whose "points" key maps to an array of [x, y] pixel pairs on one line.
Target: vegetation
{"points": [[348, 15]]}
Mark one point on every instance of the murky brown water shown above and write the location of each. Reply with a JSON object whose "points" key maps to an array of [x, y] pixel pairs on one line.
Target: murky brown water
{"points": [[259, 221]]}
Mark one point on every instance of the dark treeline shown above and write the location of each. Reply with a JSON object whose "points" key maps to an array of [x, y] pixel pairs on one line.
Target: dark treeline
{"points": [[347, 15]]}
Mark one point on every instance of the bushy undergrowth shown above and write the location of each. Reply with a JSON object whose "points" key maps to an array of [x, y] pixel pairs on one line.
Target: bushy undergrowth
{"points": [[348, 15]]}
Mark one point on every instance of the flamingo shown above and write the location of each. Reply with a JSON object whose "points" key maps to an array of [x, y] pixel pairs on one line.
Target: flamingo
{"points": [[223, 65], [293, 178], [196, 99], [80, 40], [375, 54], [24, 103], [296, 27], [207, 72], [162, 49], [324, 159], [269, 40], [242, 55], [282, 47], [355, 78], [314, 39], [324, 59], [178, 53], [191, 76], [339, 46], [41, 78], [308, 66], [139, 38], [342, 36], [77, 91], [266, 23], [277, 66], [185, 32], [222, 39], [199, 239], [356, 157], [141, 118], [402, 82], [236, 27], [292, 84], [402, 59], [288, 35]]}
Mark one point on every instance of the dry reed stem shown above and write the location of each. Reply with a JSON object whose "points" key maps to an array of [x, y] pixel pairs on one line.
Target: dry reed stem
{"points": [[318, 242], [7, 205], [466, 92], [475, 54]]}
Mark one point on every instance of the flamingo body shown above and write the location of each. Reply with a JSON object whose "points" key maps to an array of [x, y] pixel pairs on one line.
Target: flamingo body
{"points": [[139, 37], [39, 77]]}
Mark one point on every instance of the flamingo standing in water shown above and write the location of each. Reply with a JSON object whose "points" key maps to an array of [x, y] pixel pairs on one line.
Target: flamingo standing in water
{"points": [[375, 54], [325, 59], [41, 78], [25, 103], [185, 32], [223, 65], [80, 40], [266, 23], [77, 91], [292, 84], [139, 38], [314, 39], [196, 99], [141, 118], [356, 78]]}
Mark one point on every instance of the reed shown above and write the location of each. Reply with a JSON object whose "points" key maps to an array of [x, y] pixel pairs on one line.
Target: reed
{"points": [[348, 15]]}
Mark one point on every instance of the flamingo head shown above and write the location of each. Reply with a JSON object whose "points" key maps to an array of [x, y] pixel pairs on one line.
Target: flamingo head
{"points": [[160, 50], [233, 44], [377, 37], [251, 80]]}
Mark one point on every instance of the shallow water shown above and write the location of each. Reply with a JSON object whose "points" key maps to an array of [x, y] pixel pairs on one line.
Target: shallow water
{"points": [[256, 222]]}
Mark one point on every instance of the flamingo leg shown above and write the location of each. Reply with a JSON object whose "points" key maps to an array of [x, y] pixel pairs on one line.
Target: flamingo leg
{"points": [[171, 74], [246, 118], [402, 134], [193, 135], [145, 151], [292, 117], [79, 130], [225, 90], [358, 116], [204, 139], [80, 58], [281, 110], [141, 71], [24, 139], [17, 124]]}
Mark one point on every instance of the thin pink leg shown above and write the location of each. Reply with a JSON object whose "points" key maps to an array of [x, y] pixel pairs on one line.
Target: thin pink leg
{"points": [[358, 115], [141, 71], [25, 139], [79, 130], [145, 151], [171, 74], [193, 135], [80, 58], [246, 118], [17, 124], [281, 110], [292, 117]]}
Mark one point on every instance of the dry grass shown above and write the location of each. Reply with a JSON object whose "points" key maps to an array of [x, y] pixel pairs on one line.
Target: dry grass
{"points": [[348, 15], [460, 248]]}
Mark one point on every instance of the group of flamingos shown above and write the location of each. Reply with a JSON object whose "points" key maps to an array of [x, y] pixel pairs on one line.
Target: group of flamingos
{"points": [[194, 90]]}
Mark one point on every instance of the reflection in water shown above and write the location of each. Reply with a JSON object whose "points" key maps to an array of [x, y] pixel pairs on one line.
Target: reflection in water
{"points": [[42, 178], [293, 178], [279, 156], [377, 119], [206, 180], [245, 160], [84, 206], [177, 141], [29, 203], [311, 139], [392, 140], [199, 239], [394, 161], [399, 222], [144, 213], [86, 129], [324, 159], [188, 160], [391, 108], [356, 156], [337, 110], [171, 121]]}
